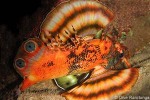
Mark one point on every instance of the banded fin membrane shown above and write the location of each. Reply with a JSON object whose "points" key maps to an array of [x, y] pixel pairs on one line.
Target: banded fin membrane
{"points": [[81, 17], [104, 85]]}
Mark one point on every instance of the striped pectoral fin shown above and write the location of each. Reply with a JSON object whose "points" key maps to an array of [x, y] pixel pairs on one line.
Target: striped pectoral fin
{"points": [[105, 85], [80, 17]]}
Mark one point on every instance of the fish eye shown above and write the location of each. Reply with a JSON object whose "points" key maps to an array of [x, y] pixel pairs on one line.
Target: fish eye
{"points": [[20, 63], [30, 46]]}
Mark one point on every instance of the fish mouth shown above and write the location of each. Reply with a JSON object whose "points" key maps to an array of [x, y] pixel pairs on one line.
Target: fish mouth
{"points": [[27, 82]]}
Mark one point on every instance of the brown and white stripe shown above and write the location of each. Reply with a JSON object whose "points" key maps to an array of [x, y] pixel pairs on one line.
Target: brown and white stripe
{"points": [[80, 17], [104, 86], [84, 17]]}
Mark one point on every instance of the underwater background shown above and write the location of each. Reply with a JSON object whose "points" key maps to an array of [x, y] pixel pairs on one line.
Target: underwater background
{"points": [[20, 23]]}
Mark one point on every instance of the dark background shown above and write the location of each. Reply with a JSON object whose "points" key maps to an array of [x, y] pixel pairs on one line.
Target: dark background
{"points": [[19, 20], [12, 11]]}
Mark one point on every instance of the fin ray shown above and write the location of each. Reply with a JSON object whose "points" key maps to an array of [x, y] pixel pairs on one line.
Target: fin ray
{"points": [[104, 86]]}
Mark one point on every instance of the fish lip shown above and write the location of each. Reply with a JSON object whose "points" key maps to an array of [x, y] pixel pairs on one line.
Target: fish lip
{"points": [[27, 82]]}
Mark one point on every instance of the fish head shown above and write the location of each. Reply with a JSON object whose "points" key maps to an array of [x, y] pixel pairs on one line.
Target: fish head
{"points": [[26, 55]]}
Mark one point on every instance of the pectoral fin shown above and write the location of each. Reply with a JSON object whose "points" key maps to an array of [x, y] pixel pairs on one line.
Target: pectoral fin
{"points": [[104, 85]]}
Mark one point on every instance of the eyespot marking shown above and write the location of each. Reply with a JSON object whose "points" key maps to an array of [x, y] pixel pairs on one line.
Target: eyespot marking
{"points": [[20, 63], [30, 46]]}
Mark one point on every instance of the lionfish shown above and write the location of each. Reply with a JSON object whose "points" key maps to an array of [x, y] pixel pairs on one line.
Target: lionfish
{"points": [[66, 45]]}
